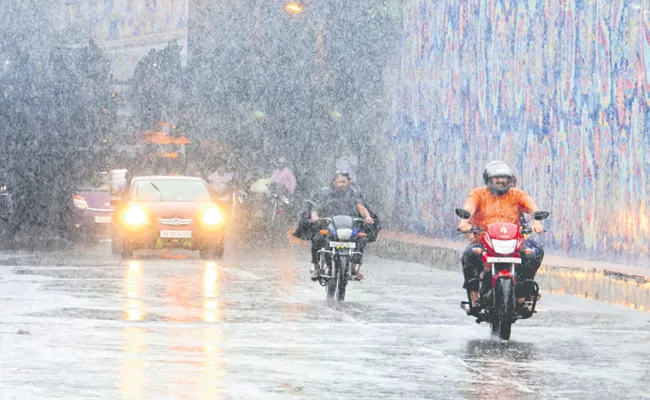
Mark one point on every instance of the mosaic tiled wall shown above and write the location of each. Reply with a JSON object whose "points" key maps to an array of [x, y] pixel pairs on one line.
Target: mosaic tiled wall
{"points": [[560, 89]]}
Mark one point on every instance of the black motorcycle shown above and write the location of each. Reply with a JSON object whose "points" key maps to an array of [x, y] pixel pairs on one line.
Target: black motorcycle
{"points": [[341, 238]]}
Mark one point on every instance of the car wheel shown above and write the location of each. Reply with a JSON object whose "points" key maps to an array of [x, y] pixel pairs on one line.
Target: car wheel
{"points": [[219, 250], [116, 246], [127, 250], [214, 251]]}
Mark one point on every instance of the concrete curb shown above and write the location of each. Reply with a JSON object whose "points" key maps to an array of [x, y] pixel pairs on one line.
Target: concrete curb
{"points": [[608, 285]]}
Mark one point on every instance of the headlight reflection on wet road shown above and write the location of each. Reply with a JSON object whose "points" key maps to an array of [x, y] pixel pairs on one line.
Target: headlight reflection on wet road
{"points": [[213, 371], [133, 288], [211, 286], [133, 367]]}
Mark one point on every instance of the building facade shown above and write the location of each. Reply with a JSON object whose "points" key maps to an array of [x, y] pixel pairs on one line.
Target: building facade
{"points": [[125, 29], [561, 92]]}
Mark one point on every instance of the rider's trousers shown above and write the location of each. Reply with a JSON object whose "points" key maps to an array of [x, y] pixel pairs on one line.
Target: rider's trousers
{"points": [[473, 264]]}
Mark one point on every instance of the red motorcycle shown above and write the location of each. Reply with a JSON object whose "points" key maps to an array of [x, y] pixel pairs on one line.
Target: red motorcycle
{"points": [[499, 288]]}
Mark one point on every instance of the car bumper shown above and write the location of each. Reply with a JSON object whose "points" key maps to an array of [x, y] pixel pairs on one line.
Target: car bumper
{"points": [[97, 223], [152, 238]]}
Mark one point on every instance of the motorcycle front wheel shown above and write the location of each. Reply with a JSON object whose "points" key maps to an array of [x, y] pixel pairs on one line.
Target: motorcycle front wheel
{"points": [[502, 316], [337, 285]]}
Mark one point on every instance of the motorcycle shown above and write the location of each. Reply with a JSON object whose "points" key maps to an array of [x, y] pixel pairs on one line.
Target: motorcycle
{"points": [[280, 201], [499, 288], [234, 198], [341, 236]]}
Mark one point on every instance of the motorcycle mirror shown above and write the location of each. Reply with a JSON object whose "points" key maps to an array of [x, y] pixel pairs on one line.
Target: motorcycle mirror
{"points": [[462, 213], [541, 215]]}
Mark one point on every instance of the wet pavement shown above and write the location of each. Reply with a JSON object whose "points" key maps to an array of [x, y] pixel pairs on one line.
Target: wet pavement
{"points": [[87, 325]]}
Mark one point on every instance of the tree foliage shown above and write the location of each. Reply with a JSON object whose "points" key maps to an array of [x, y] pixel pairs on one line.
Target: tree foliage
{"points": [[55, 112], [156, 91]]}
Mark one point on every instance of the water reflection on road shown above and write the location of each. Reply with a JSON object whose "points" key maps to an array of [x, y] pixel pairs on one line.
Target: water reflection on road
{"points": [[503, 369], [132, 368], [184, 293], [133, 289], [212, 372], [254, 326]]}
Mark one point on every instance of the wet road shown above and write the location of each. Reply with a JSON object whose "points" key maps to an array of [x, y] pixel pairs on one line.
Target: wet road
{"points": [[87, 325]]}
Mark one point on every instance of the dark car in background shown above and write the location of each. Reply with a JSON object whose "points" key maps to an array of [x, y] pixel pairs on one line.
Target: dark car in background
{"points": [[92, 209], [6, 206]]}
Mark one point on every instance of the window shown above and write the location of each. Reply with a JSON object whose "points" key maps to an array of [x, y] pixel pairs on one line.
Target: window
{"points": [[170, 190]]}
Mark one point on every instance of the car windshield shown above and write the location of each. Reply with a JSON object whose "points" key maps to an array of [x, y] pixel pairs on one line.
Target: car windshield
{"points": [[94, 182], [170, 190]]}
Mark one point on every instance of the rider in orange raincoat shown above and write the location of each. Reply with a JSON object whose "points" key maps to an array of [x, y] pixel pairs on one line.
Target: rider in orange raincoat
{"points": [[498, 201]]}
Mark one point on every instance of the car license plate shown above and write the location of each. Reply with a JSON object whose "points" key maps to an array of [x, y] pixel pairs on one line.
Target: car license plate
{"points": [[103, 220], [176, 234], [513, 260], [343, 245]]}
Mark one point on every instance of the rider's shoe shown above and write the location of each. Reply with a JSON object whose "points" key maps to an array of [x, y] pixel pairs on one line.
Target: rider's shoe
{"points": [[475, 309], [524, 311], [314, 271], [356, 274]]}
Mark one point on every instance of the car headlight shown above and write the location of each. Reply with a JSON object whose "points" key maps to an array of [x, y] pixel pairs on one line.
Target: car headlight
{"points": [[504, 246], [211, 216], [135, 216], [79, 202]]}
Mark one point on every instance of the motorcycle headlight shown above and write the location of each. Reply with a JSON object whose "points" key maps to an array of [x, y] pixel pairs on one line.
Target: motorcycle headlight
{"points": [[344, 233], [79, 202], [504, 246], [135, 216], [211, 216]]}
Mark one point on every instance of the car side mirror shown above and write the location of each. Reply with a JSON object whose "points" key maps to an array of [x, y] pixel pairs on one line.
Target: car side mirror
{"points": [[541, 215], [463, 213]]}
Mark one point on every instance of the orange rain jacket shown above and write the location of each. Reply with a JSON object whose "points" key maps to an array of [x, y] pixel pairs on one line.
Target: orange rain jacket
{"points": [[487, 208]]}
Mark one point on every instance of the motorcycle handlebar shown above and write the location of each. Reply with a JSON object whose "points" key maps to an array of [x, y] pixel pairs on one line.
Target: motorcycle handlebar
{"points": [[525, 231], [329, 220], [473, 230]]}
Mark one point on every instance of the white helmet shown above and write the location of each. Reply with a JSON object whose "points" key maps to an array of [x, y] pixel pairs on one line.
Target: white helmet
{"points": [[499, 168]]}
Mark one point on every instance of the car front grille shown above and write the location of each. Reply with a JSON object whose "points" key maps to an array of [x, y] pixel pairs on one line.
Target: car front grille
{"points": [[175, 221]]}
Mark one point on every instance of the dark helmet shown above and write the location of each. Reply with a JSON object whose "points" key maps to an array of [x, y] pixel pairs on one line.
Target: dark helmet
{"points": [[495, 169]]}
